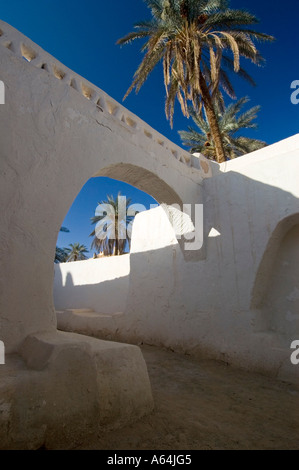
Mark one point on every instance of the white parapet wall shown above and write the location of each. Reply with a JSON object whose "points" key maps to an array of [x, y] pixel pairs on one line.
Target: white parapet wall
{"points": [[98, 284]]}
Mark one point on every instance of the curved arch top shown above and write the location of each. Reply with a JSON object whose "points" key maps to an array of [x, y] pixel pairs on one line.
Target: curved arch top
{"points": [[268, 259], [142, 179]]}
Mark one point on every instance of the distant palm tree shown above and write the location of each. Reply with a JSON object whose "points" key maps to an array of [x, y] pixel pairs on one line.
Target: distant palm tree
{"points": [[113, 226], [61, 253], [76, 252], [195, 39], [230, 122]]}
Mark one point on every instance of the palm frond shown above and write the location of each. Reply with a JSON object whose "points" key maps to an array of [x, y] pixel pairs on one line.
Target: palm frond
{"points": [[230, 123], [194, 39]]}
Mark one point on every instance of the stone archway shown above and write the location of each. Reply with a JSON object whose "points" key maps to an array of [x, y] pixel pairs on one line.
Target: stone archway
{"points": [[103, 285], [53, 140], [54, 137]]}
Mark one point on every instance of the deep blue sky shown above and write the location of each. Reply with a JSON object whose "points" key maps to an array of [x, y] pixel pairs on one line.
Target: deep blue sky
{"points": [[83, 36]]}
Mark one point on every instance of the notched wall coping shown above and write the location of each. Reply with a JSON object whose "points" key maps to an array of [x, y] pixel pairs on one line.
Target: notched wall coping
{"points": [[23, 47]]}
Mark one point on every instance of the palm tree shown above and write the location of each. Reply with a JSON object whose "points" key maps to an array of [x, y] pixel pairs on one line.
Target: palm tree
{"points": [[113, 226], [61, 253], [230, 122], [194, 39], [76, 252]]}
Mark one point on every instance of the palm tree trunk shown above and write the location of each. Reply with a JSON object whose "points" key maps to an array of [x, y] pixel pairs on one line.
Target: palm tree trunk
{"points": [[116, 236], [211, 116]]}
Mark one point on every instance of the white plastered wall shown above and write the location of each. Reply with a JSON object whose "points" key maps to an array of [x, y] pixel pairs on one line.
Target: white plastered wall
{"points": [[98, 284]]}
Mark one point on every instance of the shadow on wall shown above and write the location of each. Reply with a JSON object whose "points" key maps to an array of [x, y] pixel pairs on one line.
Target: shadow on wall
{"points": [[106, 296], [279, 237], [210, 302], [208, 305], [279, 272]]}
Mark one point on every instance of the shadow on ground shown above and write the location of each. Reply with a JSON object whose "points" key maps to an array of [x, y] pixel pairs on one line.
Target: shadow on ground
{"points": [[209, 405]]}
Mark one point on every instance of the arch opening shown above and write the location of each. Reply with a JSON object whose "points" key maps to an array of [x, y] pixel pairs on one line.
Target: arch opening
{"points": [[101, 282]]}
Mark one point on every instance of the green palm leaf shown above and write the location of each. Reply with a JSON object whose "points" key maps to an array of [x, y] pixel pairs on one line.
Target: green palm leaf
{"points": [[231, 121], [76, 252]]}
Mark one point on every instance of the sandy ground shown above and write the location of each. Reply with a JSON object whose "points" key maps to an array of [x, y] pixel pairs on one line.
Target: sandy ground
{"points": [[209, 405]]}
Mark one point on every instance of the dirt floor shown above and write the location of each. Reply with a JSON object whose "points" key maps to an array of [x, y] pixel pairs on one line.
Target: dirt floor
{"points": [[209, 405]]}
